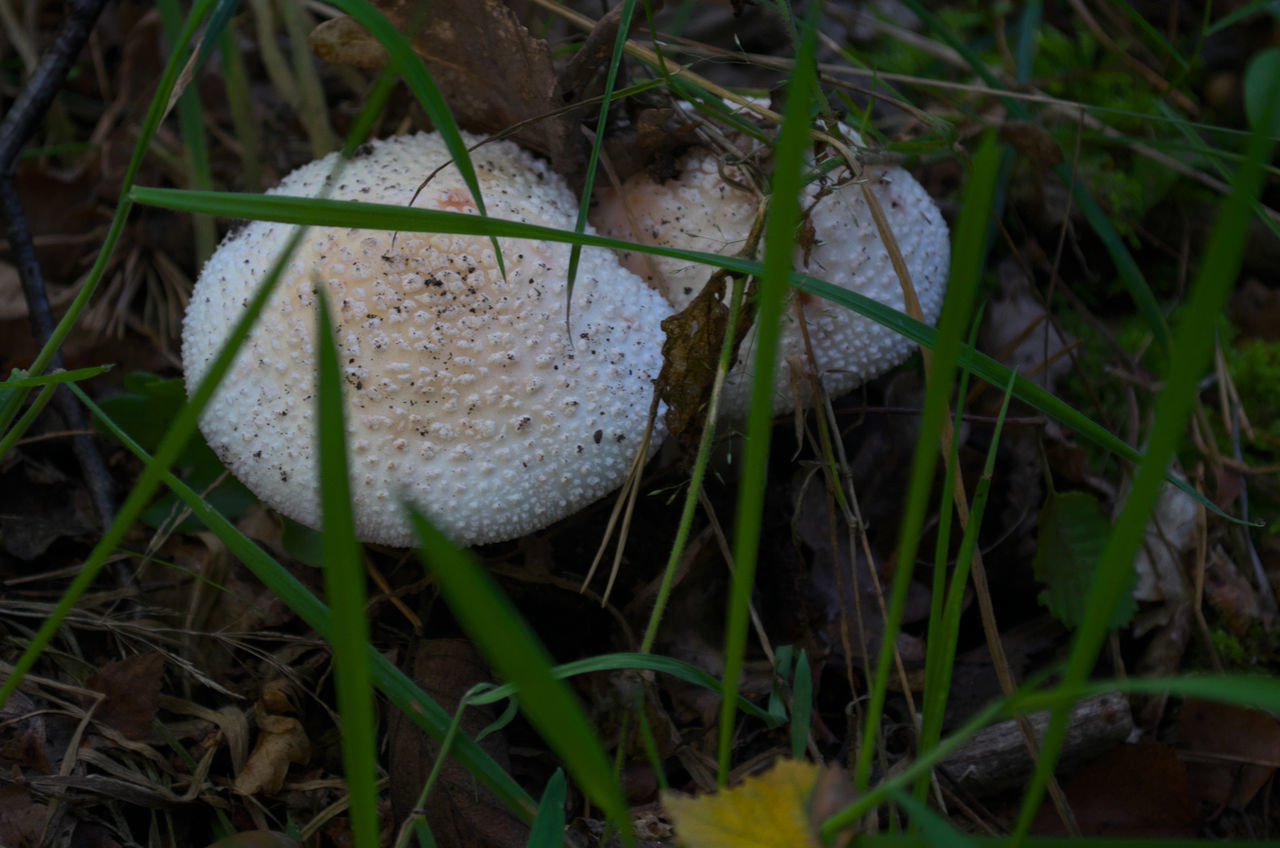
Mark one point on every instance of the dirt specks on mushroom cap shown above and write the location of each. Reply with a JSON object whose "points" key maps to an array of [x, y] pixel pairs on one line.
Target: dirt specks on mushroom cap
{"points": [[464, 393], [699, 210]]}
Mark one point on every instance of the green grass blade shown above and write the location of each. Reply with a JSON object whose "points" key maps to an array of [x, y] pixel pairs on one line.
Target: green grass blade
{"points": [[344, 587], [419, 80], [195, 148], [966, 263], [801, 705], [24, 422], [1125, 264], [779, 245], [1189, 359], [518, 657], [1254, 691], [679, 669], [75, 375], [593, 157], [340, 213], [548, 824], [943, 639], [398, 688]]}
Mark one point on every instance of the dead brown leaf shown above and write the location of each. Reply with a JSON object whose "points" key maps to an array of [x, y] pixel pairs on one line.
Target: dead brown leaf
{"points": [[689, 355], [459, 812], [23, 735], [1231, 595], [21, 819], [1131, 791], [492, 72], [132, 689], [1234, 750]]}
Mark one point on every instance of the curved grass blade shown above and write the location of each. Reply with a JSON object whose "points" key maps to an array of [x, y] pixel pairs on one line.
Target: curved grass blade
{"points": [[75, 375], [418, 78], [593, 158], [944, 621], [339, 213], [502, 635], [344, 587], [687, 672], [548, 824]]}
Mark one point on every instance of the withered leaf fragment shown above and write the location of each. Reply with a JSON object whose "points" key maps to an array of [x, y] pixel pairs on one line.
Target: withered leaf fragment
{"points": [[690, 353]]}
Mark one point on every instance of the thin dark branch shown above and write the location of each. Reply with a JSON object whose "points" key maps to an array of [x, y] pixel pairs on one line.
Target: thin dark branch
{"points": [[19, 124]]}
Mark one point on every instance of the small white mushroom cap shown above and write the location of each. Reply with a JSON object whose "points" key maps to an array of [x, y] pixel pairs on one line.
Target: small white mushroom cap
{"points": [[699, 210], [463, 395]]}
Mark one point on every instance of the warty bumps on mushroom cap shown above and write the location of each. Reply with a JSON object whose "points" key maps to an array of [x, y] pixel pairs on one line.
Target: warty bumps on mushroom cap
{"points": [[700, 210], [464, 393]]}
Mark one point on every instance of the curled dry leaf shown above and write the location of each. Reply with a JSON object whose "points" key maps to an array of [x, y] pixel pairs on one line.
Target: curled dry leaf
{"points": [[689, 355], [282, 741]]}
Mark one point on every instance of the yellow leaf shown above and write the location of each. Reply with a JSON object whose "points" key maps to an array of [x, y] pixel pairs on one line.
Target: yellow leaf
{"points": [[771, 810]]}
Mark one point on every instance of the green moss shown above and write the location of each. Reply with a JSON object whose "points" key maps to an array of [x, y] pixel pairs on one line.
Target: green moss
{"points": [[1253, 650], [1230, 651], [1254, 366]]}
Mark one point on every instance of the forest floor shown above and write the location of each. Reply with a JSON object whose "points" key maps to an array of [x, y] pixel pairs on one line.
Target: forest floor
{"points": [[182, 701]]}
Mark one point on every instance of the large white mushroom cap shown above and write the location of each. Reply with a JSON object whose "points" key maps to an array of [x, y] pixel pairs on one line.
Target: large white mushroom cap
{"points": [[699, 210], [464, 394]]}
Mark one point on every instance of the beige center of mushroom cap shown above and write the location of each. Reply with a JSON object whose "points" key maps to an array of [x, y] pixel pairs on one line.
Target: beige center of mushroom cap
{"points": [[464, 394]]}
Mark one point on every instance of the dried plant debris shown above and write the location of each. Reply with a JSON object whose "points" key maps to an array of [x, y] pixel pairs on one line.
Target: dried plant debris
{"points": [[282, 741], [690, 354]]}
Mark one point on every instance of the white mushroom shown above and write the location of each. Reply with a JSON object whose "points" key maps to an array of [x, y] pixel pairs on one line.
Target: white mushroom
{"points": [[464, 395], [699, 210]]}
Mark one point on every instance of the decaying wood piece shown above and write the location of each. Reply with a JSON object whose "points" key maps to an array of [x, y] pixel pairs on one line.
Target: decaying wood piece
{"points": [[996, 758]]}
